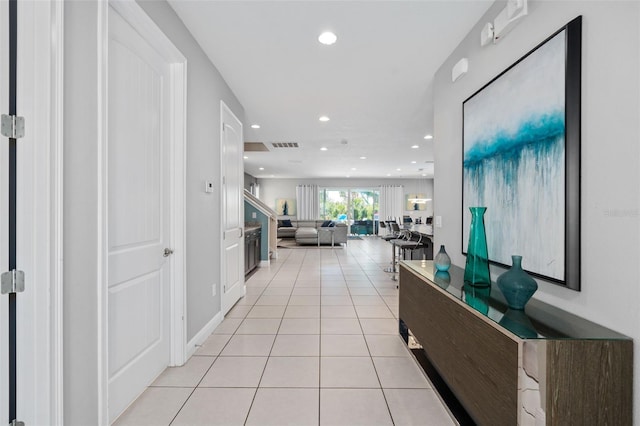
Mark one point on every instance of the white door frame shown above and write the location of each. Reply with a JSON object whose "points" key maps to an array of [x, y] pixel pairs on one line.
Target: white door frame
{"points": [[134, 14], [39, 219]]}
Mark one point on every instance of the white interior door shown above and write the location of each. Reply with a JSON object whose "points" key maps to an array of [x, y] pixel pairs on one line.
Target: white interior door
{"points": [[138, 214], [232, 209]]}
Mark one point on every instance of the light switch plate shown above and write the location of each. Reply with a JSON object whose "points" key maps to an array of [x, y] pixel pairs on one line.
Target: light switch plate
{"points": [[438, 221]]}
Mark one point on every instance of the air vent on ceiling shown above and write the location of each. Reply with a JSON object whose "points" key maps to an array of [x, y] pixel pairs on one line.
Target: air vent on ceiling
{"points": [[255, 147], [285, 144]]}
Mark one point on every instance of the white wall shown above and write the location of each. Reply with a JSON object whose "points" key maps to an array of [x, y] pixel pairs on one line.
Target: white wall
{"points": [[610, 151], [205, 89], [271, 189]]}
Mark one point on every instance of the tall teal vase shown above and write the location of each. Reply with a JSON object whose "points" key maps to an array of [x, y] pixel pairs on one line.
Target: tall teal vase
{"points": [[476, 269]]}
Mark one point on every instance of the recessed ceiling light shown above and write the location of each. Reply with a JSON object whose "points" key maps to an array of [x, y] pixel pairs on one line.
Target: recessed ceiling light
{"points": [[413, 162], [415, 146], [428, 137], [399, 170], [255, 126], [245, 157], [324, 148], [363, 158], [353, 169], [388, 174], [327, 38], [424, 174], [347, 176], [261, 168], [324, 118]]}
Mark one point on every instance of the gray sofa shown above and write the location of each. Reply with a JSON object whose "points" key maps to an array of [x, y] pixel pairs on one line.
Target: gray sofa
{"points": [[339, 233]]}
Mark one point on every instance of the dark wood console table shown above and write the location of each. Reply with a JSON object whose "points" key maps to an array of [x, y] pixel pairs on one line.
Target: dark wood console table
{"points": [[506, 367]]}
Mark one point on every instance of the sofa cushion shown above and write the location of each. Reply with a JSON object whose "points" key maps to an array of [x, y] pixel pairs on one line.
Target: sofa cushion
{"points": [[307, 236]]}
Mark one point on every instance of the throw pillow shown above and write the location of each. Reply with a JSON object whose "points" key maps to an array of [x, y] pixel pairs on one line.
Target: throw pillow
{"points": [[326, 223], [332, 224], [286, 223]]}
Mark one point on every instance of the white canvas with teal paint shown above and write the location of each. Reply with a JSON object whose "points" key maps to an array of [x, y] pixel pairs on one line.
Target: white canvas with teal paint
{"points": [[514, 161]]}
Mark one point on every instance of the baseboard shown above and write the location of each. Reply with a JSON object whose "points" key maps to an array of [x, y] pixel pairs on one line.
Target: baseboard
{"points": [[264, 264], [202, 335]]}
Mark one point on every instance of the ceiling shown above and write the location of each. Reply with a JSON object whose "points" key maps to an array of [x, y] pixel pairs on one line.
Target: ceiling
{"points": [[374, 83]]}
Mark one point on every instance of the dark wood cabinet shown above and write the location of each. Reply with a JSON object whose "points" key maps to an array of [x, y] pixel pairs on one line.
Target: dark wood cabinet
{"points": [[252, 249]]}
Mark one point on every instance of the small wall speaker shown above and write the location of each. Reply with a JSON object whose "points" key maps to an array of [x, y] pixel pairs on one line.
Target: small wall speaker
{"points": [[459, 69]]}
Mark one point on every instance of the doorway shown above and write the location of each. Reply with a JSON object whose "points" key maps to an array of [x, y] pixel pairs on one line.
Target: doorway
{"points": [[232, 171], [143, 204]]}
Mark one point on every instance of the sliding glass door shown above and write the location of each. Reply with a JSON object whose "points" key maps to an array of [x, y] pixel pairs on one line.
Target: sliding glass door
{"points": [[358, 208]]}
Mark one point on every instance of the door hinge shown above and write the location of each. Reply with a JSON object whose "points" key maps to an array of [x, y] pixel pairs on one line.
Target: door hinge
{"points": [[12, 282], [12, 126]]}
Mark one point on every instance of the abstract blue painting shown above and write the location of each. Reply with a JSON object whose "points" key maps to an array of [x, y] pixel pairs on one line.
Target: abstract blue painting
{"points": [[514, 146]]}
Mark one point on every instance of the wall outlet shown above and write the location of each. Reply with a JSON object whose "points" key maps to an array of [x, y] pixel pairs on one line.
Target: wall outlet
{"points": [[254, 215], [438, 221], [214, 290]]}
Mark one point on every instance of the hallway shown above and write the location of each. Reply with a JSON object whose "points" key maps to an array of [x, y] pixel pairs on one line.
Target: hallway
{"points": [[314, 342]]}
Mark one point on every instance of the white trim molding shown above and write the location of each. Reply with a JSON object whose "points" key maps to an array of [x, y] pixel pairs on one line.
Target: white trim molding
{"points": [[203, 334], [39, 224]]}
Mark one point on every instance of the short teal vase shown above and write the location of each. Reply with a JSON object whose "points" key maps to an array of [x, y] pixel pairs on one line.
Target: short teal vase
{"points": [[442, 278], [476, 269], [516, 285], [518, 323], [442, 261]]}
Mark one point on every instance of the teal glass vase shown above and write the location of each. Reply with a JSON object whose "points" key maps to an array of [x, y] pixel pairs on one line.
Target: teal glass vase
{"points": [[442, 278], [442, 261], [477, 297], [476, 269], [518, 323], [516, 285]]}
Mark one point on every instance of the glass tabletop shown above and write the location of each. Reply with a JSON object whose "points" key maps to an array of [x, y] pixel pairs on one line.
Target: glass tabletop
{"points": [[539, 320]]}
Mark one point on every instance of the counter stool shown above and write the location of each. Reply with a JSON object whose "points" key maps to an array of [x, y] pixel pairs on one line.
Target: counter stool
{"points": [[408, 244], [394, 233]]}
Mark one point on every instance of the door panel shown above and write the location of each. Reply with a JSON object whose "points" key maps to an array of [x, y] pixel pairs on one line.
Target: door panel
{"points": [[138, 214], [232, 210]]}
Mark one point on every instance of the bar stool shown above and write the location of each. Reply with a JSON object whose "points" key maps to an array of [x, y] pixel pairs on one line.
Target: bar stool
{"points": [[411, 241], [394, 233], [383, 226]]}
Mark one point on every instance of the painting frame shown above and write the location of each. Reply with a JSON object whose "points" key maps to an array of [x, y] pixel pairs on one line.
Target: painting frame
{"points": [[534, 138], [286, 207], [411, 205]]}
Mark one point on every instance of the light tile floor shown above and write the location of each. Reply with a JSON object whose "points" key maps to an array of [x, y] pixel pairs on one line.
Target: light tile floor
{"points": [[314, 342]]}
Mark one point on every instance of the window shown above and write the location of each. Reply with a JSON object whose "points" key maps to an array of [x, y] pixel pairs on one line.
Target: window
{"points": [[358, 208]]}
